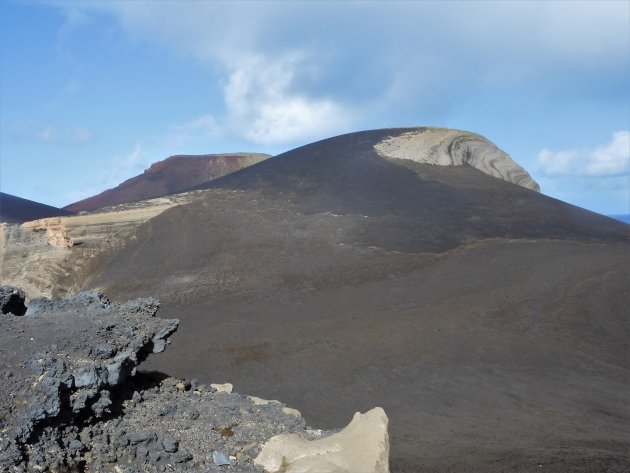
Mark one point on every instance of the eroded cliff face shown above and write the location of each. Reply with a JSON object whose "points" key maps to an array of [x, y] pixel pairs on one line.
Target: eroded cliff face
{"points": [[446, 147], [51, 256], [28, 260], [55, 232]]}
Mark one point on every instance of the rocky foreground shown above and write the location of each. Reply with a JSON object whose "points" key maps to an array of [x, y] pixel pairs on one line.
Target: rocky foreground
{"points": [[72, 399]]}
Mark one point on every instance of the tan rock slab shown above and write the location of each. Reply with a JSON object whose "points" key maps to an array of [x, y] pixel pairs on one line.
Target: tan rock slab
{"points": [[362, 447], [223, 388]]}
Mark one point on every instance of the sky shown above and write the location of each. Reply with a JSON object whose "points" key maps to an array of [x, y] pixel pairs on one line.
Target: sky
{"points": [[93, 92]]}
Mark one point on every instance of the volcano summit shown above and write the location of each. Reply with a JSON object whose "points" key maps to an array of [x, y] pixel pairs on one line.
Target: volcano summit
{"points": [[417, 269]]}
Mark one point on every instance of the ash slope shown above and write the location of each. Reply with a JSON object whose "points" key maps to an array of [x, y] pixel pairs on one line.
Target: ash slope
{"points": [[15, 209], [169, 176], [414, 206], [488, 320]]}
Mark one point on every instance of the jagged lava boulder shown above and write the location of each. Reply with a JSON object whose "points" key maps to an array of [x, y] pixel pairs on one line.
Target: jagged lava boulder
{"points": [[60, 365], [12, 300]]}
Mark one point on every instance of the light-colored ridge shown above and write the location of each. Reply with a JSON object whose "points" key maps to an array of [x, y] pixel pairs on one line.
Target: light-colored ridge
{"points": [[446, 147]]}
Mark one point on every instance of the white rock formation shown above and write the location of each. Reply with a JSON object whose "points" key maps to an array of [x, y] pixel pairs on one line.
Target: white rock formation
{"points": [[52, 253], [56, 234], [362, 447], [446, 147]]}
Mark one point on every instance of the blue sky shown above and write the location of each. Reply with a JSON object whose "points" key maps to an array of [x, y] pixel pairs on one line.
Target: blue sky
{"points": [[91, 93]]}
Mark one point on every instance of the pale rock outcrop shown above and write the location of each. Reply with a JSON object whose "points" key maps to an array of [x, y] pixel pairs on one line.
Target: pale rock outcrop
{"points": [[50, 256], [222, 388], [362, 447], [56, 232], [446, 147]]}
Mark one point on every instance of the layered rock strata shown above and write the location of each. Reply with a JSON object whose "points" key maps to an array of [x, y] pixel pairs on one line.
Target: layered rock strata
{"points": [[446, 147], [51, 256]]}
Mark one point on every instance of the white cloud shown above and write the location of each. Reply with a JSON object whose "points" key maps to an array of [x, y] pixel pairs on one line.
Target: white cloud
{"points": [[264, 106], [265, 102], [575, 30], [610, 159], [284, 66], [51, 134], [597, 178], [294, 118]]}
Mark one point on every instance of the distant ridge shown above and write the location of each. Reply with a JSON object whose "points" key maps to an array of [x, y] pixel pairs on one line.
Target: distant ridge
{"points": [[169, 176], [15, 209]]}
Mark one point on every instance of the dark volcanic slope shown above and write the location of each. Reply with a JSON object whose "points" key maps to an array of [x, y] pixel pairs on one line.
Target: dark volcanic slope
{"points": [[413, 206], [17, 210], [169, 177], [488, 320]]}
